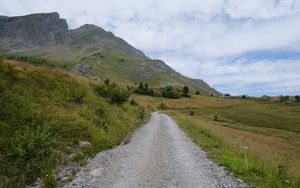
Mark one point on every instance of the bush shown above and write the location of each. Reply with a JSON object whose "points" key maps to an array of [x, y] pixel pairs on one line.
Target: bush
{"points": [[192, 113], [197, 92], [112, 92], [133, 102], [297, 98], [141, 112], [106, 82], [118, 95], [162, 106], [185, 91], [144, 90], [170, 92]]}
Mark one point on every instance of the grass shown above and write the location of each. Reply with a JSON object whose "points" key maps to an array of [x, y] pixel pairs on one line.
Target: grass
{"points": [[269, 129], [45, 113]]}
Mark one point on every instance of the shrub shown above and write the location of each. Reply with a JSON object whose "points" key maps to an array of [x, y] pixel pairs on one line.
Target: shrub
{"points": [[192, 113], [297, 98], [141, 112], [102, 90], [197, 92], [133, 102], [162, 106], [170, 92], [144, 90], [106, 82], [112, 92], [118, 95], [185, 91]]}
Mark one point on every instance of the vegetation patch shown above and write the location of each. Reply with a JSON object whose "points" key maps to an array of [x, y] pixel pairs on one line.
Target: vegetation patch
{"points": [[46, 113]]}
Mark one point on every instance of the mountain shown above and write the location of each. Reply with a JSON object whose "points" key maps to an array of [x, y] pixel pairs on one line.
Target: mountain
{"points": [[46, 35]]}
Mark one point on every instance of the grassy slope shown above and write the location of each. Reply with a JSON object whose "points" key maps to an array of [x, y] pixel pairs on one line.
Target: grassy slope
{"points": [[45, 113], [116, 66], [269, 129]]}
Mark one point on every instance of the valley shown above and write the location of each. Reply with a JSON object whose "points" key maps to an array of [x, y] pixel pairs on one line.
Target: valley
{"points": [[84, 97]]}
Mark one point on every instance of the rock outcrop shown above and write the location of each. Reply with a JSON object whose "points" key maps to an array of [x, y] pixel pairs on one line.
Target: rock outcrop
{"points": [[32, 31]]}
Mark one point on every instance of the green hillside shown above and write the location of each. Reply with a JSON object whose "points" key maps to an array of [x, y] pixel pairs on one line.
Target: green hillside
{"points": [[45, 115]]}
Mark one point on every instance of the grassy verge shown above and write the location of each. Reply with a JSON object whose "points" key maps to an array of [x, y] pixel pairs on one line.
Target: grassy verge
{"points": [[240, 151], [45, 115]]}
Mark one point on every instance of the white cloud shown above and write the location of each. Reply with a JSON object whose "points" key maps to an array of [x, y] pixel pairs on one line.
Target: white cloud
{"points": [[197, 37]]}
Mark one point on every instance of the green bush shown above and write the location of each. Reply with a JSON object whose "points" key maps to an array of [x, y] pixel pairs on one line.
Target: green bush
{"points": [[185, 91], [133, 102], [118, 95], [144, 89], [114, 93], [162, 106], [141, 112], [170, 92]]}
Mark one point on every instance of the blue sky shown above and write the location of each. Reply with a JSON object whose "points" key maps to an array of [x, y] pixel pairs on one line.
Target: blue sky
{"points": [[237, 46]]}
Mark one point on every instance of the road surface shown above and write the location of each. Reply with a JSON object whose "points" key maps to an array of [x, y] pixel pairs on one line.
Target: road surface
{"points": [[159, 154]]}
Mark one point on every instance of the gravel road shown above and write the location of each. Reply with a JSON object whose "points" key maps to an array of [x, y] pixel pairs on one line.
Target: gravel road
{"points": [[159, 154]]}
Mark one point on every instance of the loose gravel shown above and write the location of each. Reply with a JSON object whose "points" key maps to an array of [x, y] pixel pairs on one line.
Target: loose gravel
{"points": [[159, 154]]}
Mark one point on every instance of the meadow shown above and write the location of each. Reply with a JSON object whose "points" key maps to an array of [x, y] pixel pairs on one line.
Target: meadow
{"points": [[231, 129]]}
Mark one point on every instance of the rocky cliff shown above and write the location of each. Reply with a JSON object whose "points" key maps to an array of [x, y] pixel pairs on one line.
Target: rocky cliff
{"points": [[32, 31]]}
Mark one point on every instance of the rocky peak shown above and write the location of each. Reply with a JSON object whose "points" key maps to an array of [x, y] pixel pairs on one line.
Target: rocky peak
{"points": [[32, 30]]}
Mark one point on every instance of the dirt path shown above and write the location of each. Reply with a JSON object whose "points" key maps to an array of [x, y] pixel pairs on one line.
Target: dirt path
{"points": [[158, 155]]}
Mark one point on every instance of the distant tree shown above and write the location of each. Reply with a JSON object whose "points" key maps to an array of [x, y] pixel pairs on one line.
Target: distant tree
{"points": [[144, 89], [106, 82], [227, 95], [141, 86], [243, 96], [185, 91], [281, 98], [197, 92], [286, 98], [297, 98]]}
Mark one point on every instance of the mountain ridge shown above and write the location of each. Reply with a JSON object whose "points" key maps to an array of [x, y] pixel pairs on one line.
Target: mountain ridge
{"points": [[47, 35]]}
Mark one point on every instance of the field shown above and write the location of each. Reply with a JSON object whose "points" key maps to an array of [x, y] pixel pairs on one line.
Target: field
{"points": [[230, 129], [45, 116]]}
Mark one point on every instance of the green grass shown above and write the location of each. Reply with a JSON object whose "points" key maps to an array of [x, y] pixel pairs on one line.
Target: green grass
{"points": [[45, 113]]}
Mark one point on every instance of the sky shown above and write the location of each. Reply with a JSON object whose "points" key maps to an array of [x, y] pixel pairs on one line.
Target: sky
{"points": [[249, 47]]}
